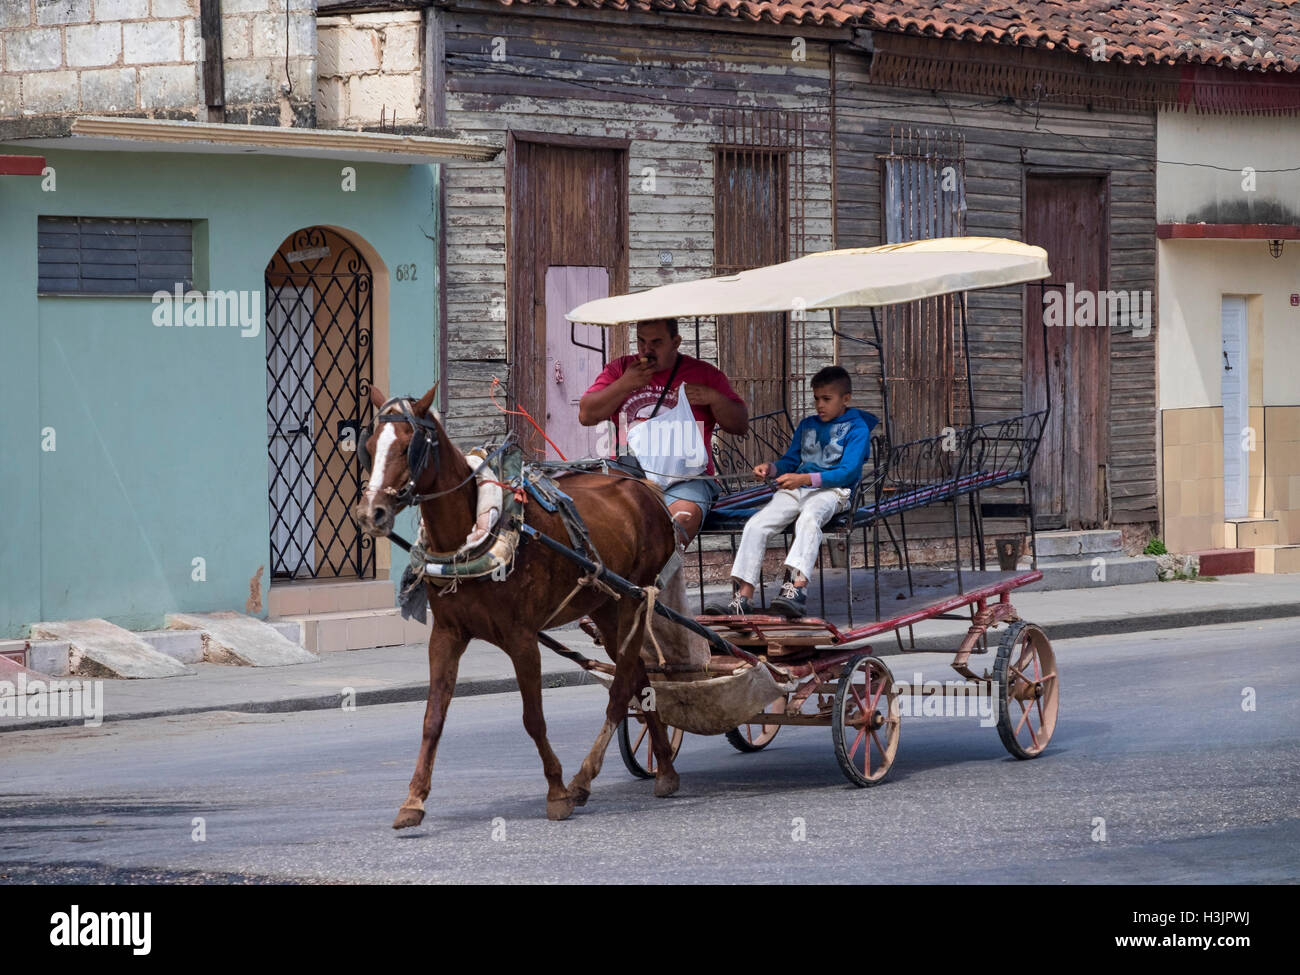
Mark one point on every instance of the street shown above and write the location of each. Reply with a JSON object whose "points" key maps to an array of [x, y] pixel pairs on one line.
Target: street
{"points": [[1157, 774]]}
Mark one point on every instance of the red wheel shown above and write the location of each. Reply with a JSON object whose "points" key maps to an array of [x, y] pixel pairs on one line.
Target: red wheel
{"points": [[866, 720], [636, 748], [1027, 687], [755, 737]]}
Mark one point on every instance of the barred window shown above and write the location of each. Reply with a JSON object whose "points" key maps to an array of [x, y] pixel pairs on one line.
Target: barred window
{"points": [[99, 256]]}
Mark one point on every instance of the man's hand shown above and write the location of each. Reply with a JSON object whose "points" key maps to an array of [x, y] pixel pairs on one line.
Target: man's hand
{"points": [[637, 374], [788, 482], [764, 471], [698, 395]]}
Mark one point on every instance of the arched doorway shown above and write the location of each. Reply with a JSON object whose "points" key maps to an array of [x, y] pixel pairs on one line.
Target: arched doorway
{"points": [[319, 365]]}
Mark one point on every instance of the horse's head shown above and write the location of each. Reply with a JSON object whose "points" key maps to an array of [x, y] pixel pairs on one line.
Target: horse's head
{"points": [[401, 453]]}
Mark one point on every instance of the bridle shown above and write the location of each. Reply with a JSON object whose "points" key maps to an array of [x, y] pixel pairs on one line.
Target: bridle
{"points": [[420, 452]]}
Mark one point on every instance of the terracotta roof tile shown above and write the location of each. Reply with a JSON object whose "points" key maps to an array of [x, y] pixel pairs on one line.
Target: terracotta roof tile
{"points": [[1211, 32]]}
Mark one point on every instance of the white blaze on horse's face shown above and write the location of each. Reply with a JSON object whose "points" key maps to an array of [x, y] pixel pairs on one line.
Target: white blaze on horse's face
{"points": [[383, 450]]}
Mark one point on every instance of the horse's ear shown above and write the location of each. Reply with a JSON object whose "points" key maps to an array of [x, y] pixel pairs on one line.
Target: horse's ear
{"points": [[426, 401], [377, 397]]}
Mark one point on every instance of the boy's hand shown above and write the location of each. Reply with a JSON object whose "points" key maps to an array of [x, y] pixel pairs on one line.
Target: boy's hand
{"points": [[788, 482], [764, 471]]}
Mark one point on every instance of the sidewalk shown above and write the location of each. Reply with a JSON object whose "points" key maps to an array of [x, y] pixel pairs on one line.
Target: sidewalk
{"points": [[399, 674]]}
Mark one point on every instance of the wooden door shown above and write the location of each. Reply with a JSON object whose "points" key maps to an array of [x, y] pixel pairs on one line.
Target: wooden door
{"points": [[568, 209], [1067, 215], [751, 228], [573, 360]]}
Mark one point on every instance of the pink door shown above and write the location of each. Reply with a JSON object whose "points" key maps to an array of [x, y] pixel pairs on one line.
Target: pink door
{"points": [[571, 368]]}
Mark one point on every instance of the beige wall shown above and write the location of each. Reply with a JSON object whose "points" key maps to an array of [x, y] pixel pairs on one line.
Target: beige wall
{"points": [[1220, 147], [1194, 275], [370, 66]]}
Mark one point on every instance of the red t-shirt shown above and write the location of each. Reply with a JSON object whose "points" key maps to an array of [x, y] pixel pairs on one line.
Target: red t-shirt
{"points": [[641, 402]]}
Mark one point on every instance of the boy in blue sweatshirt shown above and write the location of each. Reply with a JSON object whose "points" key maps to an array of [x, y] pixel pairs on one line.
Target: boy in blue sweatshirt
{"points": [[814, 478]]}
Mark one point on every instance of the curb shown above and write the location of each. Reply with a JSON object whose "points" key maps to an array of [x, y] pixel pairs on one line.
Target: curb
{"points": [[408, 693]]}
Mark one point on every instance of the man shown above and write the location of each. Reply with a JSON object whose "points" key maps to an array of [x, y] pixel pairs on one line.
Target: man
{"points": [[650, 382]]}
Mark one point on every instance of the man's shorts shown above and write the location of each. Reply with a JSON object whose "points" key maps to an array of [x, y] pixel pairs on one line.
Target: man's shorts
{"points": [[702, 492]]}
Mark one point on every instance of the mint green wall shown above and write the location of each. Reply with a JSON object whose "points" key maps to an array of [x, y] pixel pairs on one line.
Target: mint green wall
{"points": [[161, 452]]}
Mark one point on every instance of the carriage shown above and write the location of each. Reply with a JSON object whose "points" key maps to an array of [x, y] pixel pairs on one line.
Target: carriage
{"points": [[766, 671]]}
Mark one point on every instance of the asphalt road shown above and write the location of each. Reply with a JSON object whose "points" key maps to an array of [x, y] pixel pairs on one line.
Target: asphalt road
{"points": [[1153, 739]]}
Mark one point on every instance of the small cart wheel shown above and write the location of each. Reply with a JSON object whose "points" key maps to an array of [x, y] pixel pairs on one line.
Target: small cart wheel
{"points": [[636, 748], [755, 737], [866, 720], [1027, 689]]}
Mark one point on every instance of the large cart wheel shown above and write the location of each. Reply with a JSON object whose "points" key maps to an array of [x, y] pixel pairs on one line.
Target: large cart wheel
{"points": [[1027, 685], [755, 737], [635, 746], [866, 720]]}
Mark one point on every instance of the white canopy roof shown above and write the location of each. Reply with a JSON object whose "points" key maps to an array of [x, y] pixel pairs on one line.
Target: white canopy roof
{"points": [[867, 276]]}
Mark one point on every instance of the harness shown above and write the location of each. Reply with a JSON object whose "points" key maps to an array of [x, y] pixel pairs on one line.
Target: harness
{"points": [[505, 481]]}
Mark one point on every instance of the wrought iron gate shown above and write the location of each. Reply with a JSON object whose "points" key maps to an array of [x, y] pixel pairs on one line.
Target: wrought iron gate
{"points": [[319, 325]]}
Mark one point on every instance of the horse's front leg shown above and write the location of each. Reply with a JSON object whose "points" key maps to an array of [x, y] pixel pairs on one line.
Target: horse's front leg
{"points": [[445, 649], [627, 667], [528, 673]]}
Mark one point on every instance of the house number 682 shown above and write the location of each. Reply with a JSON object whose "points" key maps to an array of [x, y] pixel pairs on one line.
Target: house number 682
{"points": [[405, 272]]}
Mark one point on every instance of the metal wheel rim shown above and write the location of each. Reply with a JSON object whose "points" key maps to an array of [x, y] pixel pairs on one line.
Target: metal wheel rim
{"points": [[855, 742], [1028, 691]]}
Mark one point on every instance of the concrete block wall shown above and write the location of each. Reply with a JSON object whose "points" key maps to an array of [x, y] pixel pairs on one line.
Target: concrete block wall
{"points": [[369, 67], [62, 58]]}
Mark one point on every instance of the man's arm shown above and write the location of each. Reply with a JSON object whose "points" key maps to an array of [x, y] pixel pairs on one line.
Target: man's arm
{"points": [[601, 402]]}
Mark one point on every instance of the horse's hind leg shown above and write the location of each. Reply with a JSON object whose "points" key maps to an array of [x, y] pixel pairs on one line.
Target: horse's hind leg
{"points": [[445, 649], [528, 673]]}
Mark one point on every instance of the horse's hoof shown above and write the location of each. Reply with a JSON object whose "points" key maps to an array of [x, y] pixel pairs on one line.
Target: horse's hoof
{"points": [[666, 785], [579, 796], [558, 809], [409, 816]]}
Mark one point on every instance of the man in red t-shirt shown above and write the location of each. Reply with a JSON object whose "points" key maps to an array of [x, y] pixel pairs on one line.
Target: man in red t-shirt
{"points": [[632, 386]]}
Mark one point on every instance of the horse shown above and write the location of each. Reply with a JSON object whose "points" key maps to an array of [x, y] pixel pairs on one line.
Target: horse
{"points": [[629, 527]]}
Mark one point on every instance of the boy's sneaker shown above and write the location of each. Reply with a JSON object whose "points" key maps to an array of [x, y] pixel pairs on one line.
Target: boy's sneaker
{"points": [[793, 601], [739, 606]]}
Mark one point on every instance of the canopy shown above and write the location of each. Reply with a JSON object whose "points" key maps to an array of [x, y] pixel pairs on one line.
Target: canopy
{"points": [[865, 276]]}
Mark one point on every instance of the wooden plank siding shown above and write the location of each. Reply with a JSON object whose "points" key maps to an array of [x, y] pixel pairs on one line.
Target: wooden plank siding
{"points": [[665, 87], [1002, 144], [598, 76]]}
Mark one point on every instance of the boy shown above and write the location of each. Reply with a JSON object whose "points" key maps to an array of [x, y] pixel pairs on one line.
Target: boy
{"points": [[814, 478]]}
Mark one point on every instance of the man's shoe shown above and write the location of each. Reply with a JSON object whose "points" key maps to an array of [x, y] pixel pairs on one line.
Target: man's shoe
{"points": [[793, 601], [739, 606]]}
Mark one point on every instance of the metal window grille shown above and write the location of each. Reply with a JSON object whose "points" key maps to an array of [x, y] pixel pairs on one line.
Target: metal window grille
{"points": [[759, 202], [923, 182]]}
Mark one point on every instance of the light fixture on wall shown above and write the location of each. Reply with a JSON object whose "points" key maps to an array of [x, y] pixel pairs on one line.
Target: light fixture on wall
{"points": [[1275, 248]]}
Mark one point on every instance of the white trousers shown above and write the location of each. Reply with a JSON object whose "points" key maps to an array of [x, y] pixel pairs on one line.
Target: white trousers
{"points": [[813, 506]]}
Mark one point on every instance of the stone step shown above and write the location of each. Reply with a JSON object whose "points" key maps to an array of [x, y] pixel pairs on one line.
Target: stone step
{"points": [[233, 638], [1249, 532], [1077, 544], [1226, 561], [1277, 558], [359, 630], [1083, 573], [328, 596], [98, 648], [15, 651]]}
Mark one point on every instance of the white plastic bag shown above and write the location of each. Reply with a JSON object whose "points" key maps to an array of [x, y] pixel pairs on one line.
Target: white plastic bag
{"points": [[670, 445]]}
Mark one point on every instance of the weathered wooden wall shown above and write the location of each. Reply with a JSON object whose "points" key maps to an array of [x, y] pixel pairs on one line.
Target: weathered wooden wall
{"points": [[1002, 143], [609, 75]]}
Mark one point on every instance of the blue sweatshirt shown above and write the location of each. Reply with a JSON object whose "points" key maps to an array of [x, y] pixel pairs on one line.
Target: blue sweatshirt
{"points": [[833, 453]]}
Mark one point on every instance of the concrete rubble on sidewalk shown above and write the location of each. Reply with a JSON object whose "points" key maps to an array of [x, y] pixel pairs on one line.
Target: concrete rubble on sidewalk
{"points": [[98, 648], [232, 638]]}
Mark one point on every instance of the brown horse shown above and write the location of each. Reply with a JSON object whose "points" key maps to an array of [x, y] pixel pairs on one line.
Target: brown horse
{"points": [[628, 526]]}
